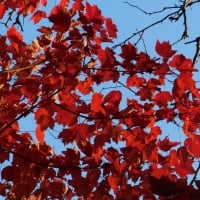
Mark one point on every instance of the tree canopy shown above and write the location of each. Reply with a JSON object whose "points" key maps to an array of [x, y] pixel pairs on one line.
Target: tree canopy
{"points": [[108, 106]]}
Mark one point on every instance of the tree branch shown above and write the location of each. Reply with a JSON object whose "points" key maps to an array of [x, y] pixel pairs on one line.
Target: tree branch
{"points": [[46, 165], [195, 175]]}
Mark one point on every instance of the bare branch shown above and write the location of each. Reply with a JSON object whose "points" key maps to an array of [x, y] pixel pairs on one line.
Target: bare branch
{"points": [[144, 29], [195, 175], [48, 164], [154, 12], [173, 16]]}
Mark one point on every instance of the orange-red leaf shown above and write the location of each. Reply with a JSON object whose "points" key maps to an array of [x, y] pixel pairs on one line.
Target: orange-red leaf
{"points": [[2, 10], [85, 87], [96, 104], [15, 38], [162, 98], [112, 28], [14, 35], [164, 50], [113, 180], [97, 154], [39, 134], [135, 81], [37, 16], [44, 2], [193, 144]]}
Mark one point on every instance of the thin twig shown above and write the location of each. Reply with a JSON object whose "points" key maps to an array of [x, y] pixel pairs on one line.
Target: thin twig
{"points": [[195, 175], [154, 12], [48, 163], [144, 29]]}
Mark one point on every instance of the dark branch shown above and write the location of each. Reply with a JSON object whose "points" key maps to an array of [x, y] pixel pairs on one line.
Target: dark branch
{"points": [[154, 12], [46, 165], [195, 175]]}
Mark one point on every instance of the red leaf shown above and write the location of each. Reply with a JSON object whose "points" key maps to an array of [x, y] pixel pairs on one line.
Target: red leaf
{"points": [[2, 10], [97, 154], [60, 19], [44, 2], [181, 63], [39, 134], [113, 180], [164, 50], [193, 144], [65, 118], [166, 145], [135, 81], [63, 3], [77, 6], [112, 28], [37, 16], [44, 29], [93, 12], [129, 51], [85, 87], [15, 38], [96, 104], [113, 99], [162, 98]]}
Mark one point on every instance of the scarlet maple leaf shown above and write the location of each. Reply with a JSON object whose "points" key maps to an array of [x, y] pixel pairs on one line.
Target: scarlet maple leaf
{"points": [[39, 134], [181, 63], [60, 18], [15, 38], [164, 50], [93, 12], [77, 6], [135, 81], [85, 87], [113, 180], [166, 145], [2, 10], [162, 98], [112, 99], [129, 51], [112, 28], [96, 104], [193, 144], [37, 16]]}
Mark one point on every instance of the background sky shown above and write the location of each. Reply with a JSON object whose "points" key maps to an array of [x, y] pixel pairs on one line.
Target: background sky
{"points": [[129, 20]]}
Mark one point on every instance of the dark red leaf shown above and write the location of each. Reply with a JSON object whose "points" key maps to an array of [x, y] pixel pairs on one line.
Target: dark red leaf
{"points": [[112, 28], [166, 144], [60, 18], [164, 50]]}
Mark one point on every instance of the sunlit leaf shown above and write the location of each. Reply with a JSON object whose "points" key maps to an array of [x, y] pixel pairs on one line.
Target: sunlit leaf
{"points": [[2, 10], [39, 134], [112, 28], [37, 16]]}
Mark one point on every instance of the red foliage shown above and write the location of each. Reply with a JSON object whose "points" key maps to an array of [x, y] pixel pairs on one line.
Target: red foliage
{"points": [[104, 105]]}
